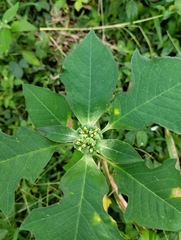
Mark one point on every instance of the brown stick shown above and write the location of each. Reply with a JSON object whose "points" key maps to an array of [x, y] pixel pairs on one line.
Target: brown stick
{"points": [[118, 197]]}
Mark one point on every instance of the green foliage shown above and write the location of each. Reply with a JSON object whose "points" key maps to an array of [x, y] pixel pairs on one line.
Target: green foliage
{"points": [[79, 4], [10, 13], [22, 51], [131, 10], [6, 29], [154, 195], [150, 98], [148, 197], [14, 152], [82, 73], [36, 57], [45, 107], [178, 6], [80, 215]]}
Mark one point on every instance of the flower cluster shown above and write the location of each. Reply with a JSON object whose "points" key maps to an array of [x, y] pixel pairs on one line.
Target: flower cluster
{"points": [[87, 139]]}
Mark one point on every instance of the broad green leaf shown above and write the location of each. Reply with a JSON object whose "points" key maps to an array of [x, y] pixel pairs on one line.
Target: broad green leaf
{"points": [[45, 108], [5, 40], [90, 75], [23, 155], [10, 13], [154, 98], [80, 214], [22, 26], [59, 133], [119, 152], [30, 58], [154, 195]]}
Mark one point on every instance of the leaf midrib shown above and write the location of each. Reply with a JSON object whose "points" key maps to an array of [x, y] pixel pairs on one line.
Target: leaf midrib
{"points": [[80, 205], [90, 83]]}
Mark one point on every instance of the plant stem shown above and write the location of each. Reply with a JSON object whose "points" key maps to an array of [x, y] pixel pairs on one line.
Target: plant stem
{"points": [[118, 197], [119, 25]]}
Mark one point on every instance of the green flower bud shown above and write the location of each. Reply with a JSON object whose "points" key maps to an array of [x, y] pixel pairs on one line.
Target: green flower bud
{"points": [[87, 140]]}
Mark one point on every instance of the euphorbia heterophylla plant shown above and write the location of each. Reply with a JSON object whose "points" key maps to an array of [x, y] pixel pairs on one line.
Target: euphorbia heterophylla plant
{"points": [[153, 196]]}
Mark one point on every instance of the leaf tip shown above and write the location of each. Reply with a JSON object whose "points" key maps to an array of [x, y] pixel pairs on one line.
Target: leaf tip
{"points": [[136, 53]]}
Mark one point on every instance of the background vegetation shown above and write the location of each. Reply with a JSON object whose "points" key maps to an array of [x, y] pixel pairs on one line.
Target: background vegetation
{"points": [[29, 53]]}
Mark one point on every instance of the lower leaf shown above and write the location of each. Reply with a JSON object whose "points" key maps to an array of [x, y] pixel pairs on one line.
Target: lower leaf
{"points": [[154, 195], [23, 155], [80, 215]]}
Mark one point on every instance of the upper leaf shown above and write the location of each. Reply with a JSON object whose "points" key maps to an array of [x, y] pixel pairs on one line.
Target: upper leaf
{"points": [[21, 156], [154, 195], [90, 75], [45, 108], [154, 98], [80, 214]]}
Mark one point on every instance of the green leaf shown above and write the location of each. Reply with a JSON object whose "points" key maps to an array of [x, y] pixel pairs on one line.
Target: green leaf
{"points": [[5, 40], [22, 26], [15, 68], [42, 5], [3, 233], [131, 10], [149, 235], [59, 133], [31, 58], [80, 214], [23, 155], [141, 138], [119, 152], [154, 98], [10, 13], [90, 75], [154, 195], [177, 4], [76, 156], [45, 108], [79, 3]]}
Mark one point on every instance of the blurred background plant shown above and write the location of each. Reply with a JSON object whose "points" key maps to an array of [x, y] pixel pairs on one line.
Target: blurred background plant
{"points": [[31, 52]]}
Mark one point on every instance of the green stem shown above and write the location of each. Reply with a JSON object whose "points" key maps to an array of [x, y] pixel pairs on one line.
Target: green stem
{"points": [[107, 127], [119, 25]]}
